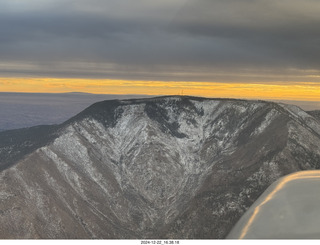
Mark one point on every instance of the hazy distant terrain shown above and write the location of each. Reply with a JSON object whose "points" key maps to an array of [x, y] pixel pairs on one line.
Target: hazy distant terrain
{"points": [[20, 110], [305, 105]]}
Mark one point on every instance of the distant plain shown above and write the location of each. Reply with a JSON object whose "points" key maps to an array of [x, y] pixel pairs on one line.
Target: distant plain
{"points": [[20, 110]]}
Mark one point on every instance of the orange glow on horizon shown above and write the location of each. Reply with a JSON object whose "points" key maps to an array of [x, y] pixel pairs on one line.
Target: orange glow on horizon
{"points": [[276, 91]]}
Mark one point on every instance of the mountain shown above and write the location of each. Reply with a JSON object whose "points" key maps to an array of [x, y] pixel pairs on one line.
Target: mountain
{"points": [[315, 114], [15, 144], [168, 167]]}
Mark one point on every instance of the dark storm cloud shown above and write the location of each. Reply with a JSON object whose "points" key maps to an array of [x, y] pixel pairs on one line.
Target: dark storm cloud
{"points": [[141, 39], [268, 31]]}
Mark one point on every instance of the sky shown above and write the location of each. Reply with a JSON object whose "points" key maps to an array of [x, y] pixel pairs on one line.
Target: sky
{"points": [[266, 49]]}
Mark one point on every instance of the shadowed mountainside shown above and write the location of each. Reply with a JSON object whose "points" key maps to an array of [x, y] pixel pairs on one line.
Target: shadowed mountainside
{"points": [[15, 144], [315, 114]]}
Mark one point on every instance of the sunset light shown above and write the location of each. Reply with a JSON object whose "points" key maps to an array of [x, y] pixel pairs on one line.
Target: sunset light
{"points": [[273, 91]]}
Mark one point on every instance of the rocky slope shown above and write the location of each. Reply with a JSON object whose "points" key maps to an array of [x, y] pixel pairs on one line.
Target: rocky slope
{"points": [[315, 114], [168, 167], [15, 144]]}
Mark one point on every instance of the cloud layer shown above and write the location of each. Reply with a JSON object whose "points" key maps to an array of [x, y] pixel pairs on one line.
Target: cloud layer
{"points": [[160, 40]]}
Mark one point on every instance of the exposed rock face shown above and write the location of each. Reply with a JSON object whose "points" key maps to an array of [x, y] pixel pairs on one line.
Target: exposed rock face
{"points": [[169, 167]]}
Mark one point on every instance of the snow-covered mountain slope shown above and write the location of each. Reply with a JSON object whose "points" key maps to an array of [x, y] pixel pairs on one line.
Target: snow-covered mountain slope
{"points": [[168, 167], [15, 144], [288, 209]]}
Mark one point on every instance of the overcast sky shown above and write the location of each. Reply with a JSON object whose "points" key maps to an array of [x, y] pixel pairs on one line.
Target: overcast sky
{"points": [[211, 40]]}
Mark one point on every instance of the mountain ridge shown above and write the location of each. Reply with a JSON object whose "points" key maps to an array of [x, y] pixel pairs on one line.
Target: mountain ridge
{"points": [[152, 168]]}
